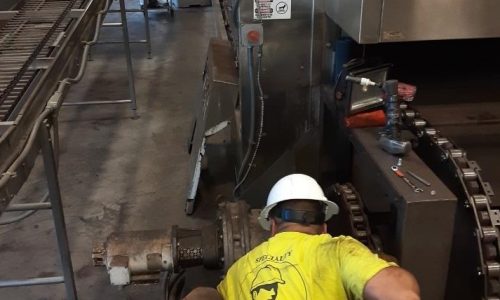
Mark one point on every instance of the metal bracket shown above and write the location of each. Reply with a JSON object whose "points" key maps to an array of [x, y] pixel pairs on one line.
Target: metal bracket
{"points": [[6, 15], [217, 128], [41, 63], [8, 123], [57, 41], [473, 164], [76, 13], [488, 189], [495, 217], [251, 34]]}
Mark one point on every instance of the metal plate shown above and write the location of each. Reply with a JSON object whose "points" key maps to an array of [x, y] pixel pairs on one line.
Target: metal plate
{"points": [[415, 20], [422, 232]]}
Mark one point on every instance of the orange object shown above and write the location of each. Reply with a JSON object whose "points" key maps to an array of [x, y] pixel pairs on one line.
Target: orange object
{"points": [[367, 119], [399, 173], [253, 36]]}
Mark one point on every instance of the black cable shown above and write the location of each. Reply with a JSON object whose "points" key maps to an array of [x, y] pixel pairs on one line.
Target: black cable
{"points": [[236, 7], [251, 133], [174, 287], [261, 122]]}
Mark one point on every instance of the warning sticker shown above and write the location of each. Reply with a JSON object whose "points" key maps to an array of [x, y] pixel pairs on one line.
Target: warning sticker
{"points": [[272, 9]]}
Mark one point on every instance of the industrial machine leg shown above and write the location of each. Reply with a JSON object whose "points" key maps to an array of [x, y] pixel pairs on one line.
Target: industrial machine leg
{"points": [[57, 211], [145, 12], [130, 70]]}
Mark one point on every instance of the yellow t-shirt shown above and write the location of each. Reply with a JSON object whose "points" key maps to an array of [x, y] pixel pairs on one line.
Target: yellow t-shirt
{"points": [[293, 265]]}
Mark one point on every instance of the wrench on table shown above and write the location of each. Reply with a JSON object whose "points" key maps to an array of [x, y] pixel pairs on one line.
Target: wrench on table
{"points": [[401, 175]]}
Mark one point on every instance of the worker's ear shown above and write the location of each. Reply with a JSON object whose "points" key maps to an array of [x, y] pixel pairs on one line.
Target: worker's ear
{"points": [[325, 228], [274, 227]]}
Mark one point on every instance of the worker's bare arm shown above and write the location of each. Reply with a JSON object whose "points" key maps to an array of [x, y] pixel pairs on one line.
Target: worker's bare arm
{"points": [[392, 283]]}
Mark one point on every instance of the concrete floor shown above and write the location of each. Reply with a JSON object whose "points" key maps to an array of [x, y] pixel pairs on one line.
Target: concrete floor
{"points": [[117, 173]]}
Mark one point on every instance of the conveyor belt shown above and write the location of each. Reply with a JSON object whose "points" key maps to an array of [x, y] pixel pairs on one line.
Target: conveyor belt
{"points": [[40, 46], [26, 37]]}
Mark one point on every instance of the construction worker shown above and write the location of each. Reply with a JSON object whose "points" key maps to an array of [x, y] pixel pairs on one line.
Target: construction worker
{"points": [[302, 261]]}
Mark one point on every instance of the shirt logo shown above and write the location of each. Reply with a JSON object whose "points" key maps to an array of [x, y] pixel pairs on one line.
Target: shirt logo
{"points": [[265, 284], [276, 279]]}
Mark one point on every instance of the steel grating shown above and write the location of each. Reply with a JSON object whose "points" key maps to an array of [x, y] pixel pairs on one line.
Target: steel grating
{"points": [[29, 35]]}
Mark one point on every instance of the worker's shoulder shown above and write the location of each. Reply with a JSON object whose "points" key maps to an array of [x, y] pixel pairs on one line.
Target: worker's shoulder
{"points": [[346, 241]]}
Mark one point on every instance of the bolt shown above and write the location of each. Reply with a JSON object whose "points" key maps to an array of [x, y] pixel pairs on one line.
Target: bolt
{"points": [[433, 193]]}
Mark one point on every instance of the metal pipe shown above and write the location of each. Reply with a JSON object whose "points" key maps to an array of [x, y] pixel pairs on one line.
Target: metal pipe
{"points": [[28, 206], [97, 102], [32, 281], [85, 54], [127, 10], [116, 24], [120, 42], [57, 211], [31, 139]]}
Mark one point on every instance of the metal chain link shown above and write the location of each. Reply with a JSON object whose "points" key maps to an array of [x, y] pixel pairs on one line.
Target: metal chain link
{"points": [[358, 221], [477, 198]]}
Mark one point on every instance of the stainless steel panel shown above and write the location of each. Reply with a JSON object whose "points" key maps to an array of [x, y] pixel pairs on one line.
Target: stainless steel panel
{"points": [[416, 20], [291, 70], [413, 20], [360, 19]]}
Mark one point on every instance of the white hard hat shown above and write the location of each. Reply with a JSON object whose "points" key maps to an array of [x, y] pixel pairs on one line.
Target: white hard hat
{"points": [[295, 186]]}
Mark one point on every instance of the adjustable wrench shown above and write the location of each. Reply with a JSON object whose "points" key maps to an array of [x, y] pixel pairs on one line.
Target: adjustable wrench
{"points": [[401, 175]]}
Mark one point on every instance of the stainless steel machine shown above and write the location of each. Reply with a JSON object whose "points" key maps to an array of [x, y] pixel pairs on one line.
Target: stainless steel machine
{"points": [[279, 89]]}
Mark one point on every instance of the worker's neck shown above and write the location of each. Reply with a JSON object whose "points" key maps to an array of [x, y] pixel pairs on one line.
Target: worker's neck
{"points": [[294, 227]]}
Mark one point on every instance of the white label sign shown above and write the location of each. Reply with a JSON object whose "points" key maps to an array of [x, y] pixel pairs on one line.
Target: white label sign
{"points": [[272, 9]]}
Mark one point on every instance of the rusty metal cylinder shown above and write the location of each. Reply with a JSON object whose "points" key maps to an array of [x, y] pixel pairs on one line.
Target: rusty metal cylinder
{"points": [[148, 250], [135, 256], [141, 256]]}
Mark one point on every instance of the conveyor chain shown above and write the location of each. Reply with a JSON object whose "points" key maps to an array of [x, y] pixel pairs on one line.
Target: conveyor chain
{"points": [[349, 199], [476, 197], [24, 38]]}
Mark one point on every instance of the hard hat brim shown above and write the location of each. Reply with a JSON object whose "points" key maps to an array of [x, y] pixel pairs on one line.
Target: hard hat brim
{"points": [[265, 222]]}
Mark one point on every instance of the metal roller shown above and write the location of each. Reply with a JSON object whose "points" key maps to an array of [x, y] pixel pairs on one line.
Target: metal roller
{"points": [[489, 234], [493, 268], [469, 174], [419, 123], [481, 201]]}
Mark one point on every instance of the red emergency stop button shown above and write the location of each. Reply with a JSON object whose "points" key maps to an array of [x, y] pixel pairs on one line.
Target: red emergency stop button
{"points": [[253, 37]]}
